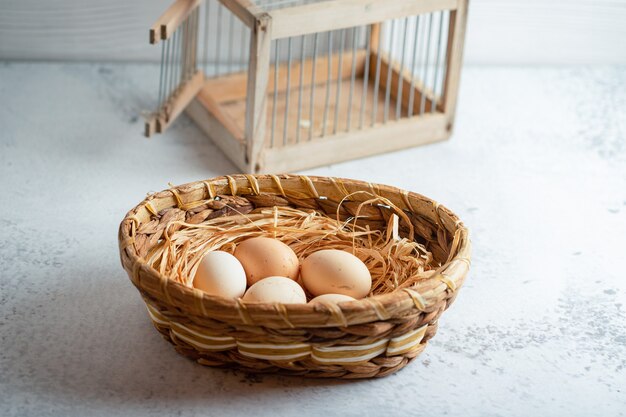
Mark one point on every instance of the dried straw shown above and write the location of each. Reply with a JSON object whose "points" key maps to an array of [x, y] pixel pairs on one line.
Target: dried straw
{"points": [[393, 262]]}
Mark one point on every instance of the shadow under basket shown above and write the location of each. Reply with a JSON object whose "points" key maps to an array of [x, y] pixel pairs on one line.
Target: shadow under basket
{"points": [[371, 337]]}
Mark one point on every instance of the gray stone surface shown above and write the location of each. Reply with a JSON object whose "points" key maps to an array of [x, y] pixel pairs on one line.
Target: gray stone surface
{"points": [[536, 169]]}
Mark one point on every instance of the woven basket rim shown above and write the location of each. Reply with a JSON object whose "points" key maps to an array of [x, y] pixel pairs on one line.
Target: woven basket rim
{"points": [[421, 296]]}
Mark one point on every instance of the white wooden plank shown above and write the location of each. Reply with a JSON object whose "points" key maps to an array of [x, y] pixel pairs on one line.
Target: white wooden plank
{"points": [[499, 31], [546, 32]]}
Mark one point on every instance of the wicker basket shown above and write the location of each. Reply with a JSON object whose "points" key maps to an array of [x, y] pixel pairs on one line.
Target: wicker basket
{"points": [[366, 338]]}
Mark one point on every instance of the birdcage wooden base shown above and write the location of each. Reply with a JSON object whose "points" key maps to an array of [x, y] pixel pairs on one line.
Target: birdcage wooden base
{"points": [[296, 141]]}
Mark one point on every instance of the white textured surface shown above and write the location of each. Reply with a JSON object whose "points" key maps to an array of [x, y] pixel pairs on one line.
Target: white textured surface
{"points": [[537, 169]]}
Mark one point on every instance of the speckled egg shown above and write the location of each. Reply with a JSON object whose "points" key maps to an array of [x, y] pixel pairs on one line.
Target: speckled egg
{"points": [[333, 271]]}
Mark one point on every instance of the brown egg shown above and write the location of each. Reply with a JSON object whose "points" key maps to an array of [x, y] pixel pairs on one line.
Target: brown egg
{"points": [[264, 257], [276, 290], [333, 271]]}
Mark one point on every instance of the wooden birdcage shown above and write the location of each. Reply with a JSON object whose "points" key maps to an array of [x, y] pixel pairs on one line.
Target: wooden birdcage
{"points": [[283, 85]]}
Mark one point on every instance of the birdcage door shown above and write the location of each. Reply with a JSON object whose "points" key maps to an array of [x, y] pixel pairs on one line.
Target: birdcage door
{"points": [[180, 79]]}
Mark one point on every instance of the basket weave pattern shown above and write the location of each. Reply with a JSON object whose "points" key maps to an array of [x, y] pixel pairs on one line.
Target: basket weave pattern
{"points": [[366, 338]]}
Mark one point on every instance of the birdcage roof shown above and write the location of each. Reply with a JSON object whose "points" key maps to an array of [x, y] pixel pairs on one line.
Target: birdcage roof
{"points": [[268, 5]]}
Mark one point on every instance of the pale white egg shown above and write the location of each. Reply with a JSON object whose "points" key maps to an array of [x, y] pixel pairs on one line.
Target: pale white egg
{"points": [[276, 290], [220, 273], [331, 299]]}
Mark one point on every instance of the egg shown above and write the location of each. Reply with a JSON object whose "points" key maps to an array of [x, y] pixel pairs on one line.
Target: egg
{"points": [[276, 290], [332, 271], [264, 257], [220, 273], [331, 298]]}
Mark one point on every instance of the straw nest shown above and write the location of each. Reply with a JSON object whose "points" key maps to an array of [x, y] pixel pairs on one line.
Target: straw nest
{"points": [[416, 250]]}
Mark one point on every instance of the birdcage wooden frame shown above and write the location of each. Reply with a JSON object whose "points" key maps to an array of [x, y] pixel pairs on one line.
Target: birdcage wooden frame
{"points": [[244, 137]]}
